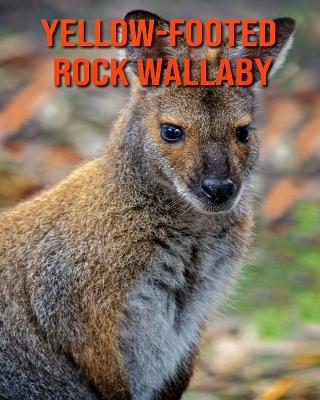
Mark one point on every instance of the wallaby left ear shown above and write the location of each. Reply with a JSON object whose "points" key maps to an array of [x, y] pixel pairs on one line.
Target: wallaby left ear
{"points": [[284, 37], [161, 44]]}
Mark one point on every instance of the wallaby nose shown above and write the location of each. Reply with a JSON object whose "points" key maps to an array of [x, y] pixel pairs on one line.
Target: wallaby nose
{"points": [[218, 191]]}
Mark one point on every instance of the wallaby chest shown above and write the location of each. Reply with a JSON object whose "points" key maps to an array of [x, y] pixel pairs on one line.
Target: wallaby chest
{"points": [[167, 307]]}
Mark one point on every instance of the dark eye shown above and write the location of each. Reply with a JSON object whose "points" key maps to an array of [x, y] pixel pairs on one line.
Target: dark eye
{"points": [[243, 134], [171, 133]]}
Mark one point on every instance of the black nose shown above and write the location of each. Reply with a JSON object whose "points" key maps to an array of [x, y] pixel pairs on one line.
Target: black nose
{"points": [[218, 191]]}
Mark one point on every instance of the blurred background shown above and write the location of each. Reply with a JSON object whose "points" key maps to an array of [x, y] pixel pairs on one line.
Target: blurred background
{"points": [[265, 345]]}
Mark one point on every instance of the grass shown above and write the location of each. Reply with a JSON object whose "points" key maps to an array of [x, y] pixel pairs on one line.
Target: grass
{"points": [[281, 289]]}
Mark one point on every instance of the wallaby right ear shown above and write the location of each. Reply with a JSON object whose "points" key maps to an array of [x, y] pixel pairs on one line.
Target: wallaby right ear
{"points": [[160, 47], [277, 53]]}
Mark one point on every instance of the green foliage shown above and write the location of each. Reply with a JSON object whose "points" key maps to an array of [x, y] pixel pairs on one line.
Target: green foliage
{"points": [[281, 289]]}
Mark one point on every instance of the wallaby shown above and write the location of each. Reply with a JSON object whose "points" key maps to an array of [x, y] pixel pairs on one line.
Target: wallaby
{"points": [[107, 278]]}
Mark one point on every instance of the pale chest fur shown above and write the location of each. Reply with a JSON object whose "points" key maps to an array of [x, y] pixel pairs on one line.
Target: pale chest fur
{"points": [[166, 309]]}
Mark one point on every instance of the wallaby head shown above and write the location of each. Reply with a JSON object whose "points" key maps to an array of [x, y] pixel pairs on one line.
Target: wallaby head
{"points": [[201, 141]]}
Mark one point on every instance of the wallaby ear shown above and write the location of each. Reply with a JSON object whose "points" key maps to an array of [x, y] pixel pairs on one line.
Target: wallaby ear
{"points": [[160, 47], [284, 37]]}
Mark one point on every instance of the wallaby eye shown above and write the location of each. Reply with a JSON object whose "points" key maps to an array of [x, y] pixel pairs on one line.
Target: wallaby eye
{"points": [[243, 134], [171, 133]]}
